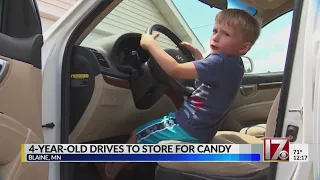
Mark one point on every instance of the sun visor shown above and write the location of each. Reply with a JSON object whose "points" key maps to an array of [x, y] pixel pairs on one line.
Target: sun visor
{"points": [[220, 4]]}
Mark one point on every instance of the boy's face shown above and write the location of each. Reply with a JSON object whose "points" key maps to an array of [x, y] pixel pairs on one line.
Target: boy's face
{"points": [[228, 40]]}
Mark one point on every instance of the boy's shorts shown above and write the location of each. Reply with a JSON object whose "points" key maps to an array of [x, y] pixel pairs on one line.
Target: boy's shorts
{"points": [[162, 129]]}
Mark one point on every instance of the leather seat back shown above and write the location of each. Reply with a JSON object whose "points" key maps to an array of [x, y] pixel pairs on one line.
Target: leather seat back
{"points": [[268, 129], [272, 117]]}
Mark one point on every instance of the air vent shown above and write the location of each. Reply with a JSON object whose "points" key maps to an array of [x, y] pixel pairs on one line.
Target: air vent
{"points": [[102, 61]]}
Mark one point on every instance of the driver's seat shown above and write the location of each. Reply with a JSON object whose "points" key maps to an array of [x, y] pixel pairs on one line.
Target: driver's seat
{"points": [[222, 171]]}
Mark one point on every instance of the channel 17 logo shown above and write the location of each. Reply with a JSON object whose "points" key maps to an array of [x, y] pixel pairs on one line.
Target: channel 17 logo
{"points": [[276, 149]]}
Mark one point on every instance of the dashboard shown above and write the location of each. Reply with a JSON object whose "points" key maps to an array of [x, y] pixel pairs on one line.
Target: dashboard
{"points": [[119, 55], [119, 59]]}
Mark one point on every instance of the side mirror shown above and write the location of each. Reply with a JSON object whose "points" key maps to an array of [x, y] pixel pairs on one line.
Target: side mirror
{"points": [[248, 64], [220, 4]]}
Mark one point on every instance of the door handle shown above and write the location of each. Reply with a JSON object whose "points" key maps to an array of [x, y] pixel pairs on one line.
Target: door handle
{"points": [[4, 66], [248, 90]]}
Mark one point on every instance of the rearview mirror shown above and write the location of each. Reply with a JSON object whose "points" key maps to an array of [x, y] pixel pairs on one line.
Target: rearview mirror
{"points": [[248, 64], [228, 4], [220, 4]]}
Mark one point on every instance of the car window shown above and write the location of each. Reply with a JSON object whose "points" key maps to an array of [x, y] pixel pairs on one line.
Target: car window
{"points": [[269, 52]]}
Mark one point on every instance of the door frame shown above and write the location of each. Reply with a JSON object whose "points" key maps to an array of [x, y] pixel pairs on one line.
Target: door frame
{"points": [[295, 29], [66, 169]]}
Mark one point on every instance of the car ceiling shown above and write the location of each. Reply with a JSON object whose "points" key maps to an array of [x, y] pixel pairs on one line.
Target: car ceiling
{"points": [[271, 9]]}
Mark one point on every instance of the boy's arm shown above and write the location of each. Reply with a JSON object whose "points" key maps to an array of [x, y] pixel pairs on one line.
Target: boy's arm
{"points": [[170, 65]]}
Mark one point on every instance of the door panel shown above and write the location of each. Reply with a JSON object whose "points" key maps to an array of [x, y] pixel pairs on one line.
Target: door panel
{"points": [[253, 102], [4, 66], [20, 94], [13, 134], [20, 89], [262, 78], [251, 110], [27, 50], [20, 120]]}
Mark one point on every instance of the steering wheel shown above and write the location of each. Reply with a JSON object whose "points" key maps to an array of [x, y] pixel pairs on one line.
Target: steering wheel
{"points": [[182, 55]]}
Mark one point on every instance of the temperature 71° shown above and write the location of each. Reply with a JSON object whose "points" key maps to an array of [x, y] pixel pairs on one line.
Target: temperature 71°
{"points": [[297, 151]]}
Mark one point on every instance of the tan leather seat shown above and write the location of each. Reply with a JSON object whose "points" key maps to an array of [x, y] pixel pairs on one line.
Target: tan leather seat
{"points": [[220, 169], [226, 137], [260, 130]]}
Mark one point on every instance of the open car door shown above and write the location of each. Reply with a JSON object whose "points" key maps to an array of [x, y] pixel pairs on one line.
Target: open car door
{"points": [[20, 88]]}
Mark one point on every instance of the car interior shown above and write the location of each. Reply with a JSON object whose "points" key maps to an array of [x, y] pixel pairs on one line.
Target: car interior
{"points": [[117, 86]]}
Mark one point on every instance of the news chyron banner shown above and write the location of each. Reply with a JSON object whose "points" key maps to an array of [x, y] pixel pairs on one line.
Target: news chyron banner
{"points": [[272, 149]]}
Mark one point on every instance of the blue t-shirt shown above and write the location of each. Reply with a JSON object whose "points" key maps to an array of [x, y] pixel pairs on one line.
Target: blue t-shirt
{"points": [[219, 79]]}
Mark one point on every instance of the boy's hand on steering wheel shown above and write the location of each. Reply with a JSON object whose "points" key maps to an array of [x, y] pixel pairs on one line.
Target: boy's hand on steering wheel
{"points": [[147, 40], [195, 51]]}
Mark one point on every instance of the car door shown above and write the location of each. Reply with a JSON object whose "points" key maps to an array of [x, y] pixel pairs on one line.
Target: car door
{"points": [[262, 81], [20, 88]]}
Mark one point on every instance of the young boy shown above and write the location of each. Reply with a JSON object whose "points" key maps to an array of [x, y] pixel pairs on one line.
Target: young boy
{"points": [[218, 78]]}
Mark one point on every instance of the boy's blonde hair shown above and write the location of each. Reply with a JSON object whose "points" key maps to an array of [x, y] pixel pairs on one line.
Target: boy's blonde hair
{"points": [[249, 25]]}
